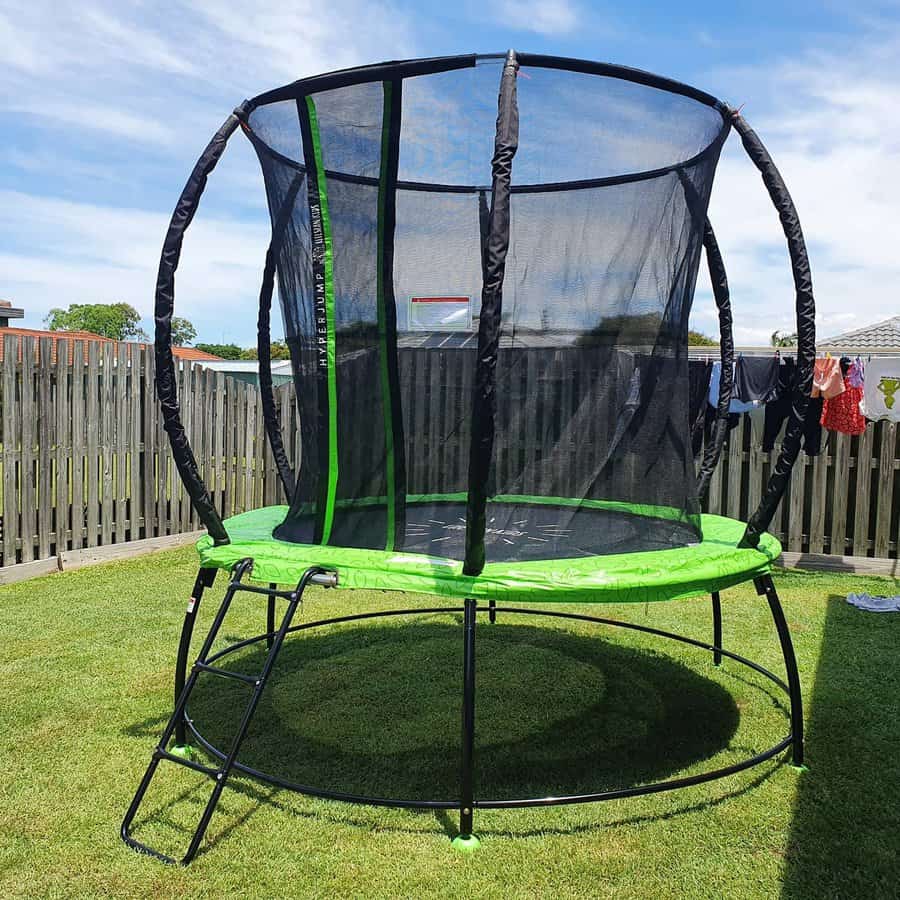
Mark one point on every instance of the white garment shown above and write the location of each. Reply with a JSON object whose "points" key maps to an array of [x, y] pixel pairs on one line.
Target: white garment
{"points": [[875, 604], [881, 394]]}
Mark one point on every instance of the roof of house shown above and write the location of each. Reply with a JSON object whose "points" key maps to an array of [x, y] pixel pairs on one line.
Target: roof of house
{"points": [[880, 335], [70, 338], [244, 365]]}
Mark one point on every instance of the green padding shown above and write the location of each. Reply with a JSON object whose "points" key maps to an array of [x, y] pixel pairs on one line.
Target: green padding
{"points": [[712, 565]]}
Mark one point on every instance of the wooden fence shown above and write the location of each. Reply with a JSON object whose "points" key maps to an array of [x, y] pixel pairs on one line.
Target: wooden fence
{"points": [[84, 461]]}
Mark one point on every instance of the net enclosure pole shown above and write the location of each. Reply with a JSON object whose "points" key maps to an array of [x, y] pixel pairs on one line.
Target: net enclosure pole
{"points": [[806, 329], [484, 403], [722, 296], [719, 280], [389, 367], [263, 337], [166, 380]]}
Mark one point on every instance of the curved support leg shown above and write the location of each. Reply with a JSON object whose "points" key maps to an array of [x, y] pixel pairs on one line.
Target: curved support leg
{"points": [[205, 579], [492, 611], [465, 840], [766, 586], [717, 628]]}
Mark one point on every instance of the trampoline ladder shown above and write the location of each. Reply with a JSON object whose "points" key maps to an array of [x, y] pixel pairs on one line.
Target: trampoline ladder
{"points": [[257, 682]]}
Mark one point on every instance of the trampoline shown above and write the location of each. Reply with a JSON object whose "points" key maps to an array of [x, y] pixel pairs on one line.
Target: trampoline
{"points": [[485, 266]]}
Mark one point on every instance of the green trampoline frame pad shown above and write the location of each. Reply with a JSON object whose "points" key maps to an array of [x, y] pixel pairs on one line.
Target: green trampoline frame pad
{"points": [[712, 565]]}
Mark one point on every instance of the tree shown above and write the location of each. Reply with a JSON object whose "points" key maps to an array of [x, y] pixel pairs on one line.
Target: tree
{"points": [[783, 339], [277, 350], [699, 339], [183, 332], [226, 351], [119, 321]]}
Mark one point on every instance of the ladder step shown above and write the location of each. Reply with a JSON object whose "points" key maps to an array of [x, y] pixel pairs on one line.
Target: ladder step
{"points": [[227, 673], [187, 763], [269, 592]]}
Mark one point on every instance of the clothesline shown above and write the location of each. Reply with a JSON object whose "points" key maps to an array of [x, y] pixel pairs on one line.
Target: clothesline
{"points": [[846, 394]]}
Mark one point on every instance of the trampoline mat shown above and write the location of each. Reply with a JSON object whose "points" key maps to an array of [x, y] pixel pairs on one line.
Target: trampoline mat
{"points": [[697, 568], [516, 529]]}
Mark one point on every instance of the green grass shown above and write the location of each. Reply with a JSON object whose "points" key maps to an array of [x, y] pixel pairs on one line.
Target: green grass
{"points": [[86, 666]]}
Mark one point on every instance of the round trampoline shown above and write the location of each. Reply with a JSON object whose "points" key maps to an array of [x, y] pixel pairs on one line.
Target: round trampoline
{"points": [[485, 267]]}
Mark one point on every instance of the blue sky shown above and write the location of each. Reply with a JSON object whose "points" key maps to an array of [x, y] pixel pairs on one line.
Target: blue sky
{"points": [[107, 105]]}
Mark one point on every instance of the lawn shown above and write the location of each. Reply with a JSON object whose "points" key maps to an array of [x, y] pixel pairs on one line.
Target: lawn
{"points": [[86, 664]]}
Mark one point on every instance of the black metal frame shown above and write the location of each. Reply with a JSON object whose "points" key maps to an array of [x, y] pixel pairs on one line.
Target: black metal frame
{"points": [[181, 722]]}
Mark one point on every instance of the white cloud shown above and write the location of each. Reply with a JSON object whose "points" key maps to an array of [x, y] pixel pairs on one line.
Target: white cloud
{"points": [[549, 17], [829, 121], [72, 252], [93, 117]]}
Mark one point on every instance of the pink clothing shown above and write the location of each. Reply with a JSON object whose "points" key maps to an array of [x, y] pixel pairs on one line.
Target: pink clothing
{"points": [[828, 381]]}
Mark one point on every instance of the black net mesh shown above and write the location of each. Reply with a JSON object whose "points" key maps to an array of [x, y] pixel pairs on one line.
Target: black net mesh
{"points": [[380, 281]]}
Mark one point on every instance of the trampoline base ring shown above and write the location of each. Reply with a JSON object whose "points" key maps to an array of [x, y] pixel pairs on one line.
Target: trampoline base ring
{"points": [[180, 722], [491, 613]]}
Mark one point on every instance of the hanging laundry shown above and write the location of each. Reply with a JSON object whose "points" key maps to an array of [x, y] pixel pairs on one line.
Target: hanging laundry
{"points": [[827, 378], [736, 406], [699, 371], [842, 413], [779, 409], [881, 394], [756, 378]]}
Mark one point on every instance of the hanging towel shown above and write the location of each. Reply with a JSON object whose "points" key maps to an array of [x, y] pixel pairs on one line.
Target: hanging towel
{"points": [[756, 378], [881, 394], [736, 406], [875, 604]]}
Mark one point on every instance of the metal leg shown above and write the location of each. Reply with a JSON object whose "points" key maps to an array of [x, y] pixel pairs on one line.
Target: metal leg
{"points": [[270, 616], [717, 628], [205, 579], [492, 611], [465, 840], [766, 586]]}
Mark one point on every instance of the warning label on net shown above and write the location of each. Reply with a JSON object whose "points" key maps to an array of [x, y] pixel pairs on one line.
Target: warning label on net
{"points": [[440, 314]]}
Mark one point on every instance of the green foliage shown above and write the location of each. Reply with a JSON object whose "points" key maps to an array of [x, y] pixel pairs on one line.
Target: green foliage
{"points": [[226, 351], [699, 339], [119, 321], [183, 332], [277, 349]]}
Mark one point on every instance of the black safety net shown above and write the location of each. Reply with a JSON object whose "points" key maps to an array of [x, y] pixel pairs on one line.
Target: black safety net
{"points": [[486, 273]]}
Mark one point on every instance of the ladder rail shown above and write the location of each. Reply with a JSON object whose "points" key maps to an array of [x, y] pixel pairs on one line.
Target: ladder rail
{"points": [[219, 775]]}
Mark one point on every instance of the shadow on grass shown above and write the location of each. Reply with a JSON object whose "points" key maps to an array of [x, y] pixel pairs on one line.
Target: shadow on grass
{"points": [[846, 828], [376, 711]]}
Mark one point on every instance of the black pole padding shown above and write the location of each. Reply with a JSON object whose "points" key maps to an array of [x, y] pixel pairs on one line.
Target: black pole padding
{"points": [[806, 330], [264, 338], [166, 381], [484, 405], [719, 280]]}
